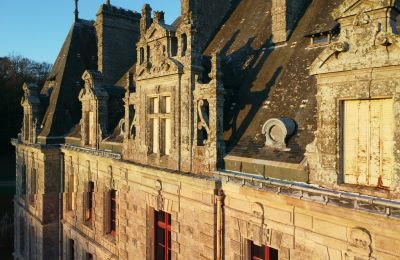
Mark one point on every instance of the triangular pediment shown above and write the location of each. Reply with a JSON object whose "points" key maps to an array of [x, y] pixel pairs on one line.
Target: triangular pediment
{"points": [[155, 32], [354, 7]]}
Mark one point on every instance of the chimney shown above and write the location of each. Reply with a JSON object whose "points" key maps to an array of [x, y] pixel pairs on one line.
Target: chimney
{"points": [[117, 33], [159, 17], [145, 20], [285, 15]]}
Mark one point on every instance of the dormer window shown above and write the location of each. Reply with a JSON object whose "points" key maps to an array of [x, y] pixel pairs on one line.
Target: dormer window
{"points": [[184, 44], [160, 124], [141, 53], [320, 39], [174, 46]]}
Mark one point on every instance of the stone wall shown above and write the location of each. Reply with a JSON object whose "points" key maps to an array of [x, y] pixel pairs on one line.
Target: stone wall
{"points": [[304, 230], [190, 201]]}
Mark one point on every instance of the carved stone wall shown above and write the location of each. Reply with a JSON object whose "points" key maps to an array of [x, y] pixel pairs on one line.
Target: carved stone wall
{"points": [[361, 65]]}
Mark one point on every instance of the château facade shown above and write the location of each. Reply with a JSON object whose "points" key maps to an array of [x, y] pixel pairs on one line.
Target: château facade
{"points": [[247, 129]]}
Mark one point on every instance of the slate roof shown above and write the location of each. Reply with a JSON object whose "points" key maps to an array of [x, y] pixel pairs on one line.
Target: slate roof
{"points": [[265, 82], [64, 83]]}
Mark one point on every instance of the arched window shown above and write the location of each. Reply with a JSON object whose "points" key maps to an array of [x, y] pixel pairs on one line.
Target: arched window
{"points": [[184, 44]]}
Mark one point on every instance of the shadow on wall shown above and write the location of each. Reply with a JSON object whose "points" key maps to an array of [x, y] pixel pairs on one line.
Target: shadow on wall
{"points": [[7, 190]]}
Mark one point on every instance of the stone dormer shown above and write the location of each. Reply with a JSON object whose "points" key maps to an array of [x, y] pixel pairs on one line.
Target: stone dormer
{"points": [[357, 101], [94, 100], [31, 106], [157, 48]]}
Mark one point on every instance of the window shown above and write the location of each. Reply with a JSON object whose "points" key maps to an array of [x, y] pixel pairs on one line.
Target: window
{"points": [[174, 46], [261, 252], [71, 191], [162, 235], [33, 189], [32, 243], [141, 55], [148, 55], [23, 179], [112, 213], [71, 249], [184, 44], [89, 256], [132, 126], [160, 124], [368, 142], [89, 202]]}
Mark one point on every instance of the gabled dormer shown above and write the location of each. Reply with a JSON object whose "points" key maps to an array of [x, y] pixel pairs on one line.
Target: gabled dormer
{"points": [[356, 145], [94, 100], [158, 46], [31, 106]]}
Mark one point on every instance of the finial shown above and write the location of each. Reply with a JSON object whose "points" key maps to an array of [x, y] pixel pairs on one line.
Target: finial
{"points": [[108, 2], [76, 11]]}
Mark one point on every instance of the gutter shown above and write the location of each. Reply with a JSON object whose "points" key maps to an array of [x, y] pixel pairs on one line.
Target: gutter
{"points": [[304, 191]]}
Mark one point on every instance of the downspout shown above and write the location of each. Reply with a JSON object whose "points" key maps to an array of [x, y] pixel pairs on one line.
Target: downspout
{"points": [[219, 201], [60, 209]]}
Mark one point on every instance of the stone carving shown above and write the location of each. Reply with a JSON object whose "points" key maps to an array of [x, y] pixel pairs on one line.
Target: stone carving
{"points": [[360, 241], [121, 126], [277, 131], [203, 123]]}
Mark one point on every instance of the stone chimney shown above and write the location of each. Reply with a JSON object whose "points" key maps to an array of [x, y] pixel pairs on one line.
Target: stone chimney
{"points": [[159, 17], [146, 20], [285, 15], [117, 33]]}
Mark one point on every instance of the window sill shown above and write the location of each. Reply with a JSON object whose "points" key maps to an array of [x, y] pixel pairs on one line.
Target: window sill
{"points": [[381, 192], [111, 238]]}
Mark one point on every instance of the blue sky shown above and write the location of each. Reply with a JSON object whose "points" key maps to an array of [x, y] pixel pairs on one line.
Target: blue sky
{"points": [[37, 29]]}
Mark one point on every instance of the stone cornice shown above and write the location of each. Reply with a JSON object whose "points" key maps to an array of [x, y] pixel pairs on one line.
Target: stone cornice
{"points": [[379, 206]]}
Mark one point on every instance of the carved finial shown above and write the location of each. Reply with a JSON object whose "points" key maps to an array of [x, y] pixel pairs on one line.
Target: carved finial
{"points": [[76, 11]]}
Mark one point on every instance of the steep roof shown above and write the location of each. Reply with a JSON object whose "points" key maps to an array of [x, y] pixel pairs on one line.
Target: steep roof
{"points": [[264, 82], [78, 53]]}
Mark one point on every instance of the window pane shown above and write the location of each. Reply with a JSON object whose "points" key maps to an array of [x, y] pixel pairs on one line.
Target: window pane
{"points": [[257, 251]]}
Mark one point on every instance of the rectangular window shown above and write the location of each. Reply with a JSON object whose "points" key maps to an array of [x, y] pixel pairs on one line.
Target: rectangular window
{"points": [[33, 187], [71, 192], [261, 252], [162, 235], [112, 213], [89, 202], [71, 249], [368, 142], [23, 179], [160, 124], [89, 256]]}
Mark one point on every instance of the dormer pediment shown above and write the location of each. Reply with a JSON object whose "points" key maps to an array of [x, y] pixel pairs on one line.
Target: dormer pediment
{"points": [[93, 88], [354, 7], [367, 39], [157, 31]]}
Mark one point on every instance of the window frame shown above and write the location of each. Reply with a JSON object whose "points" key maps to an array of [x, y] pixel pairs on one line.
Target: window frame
{"points": [[89, 201], [166, 227], [341, 141], [160, 121], [267, 251]]}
